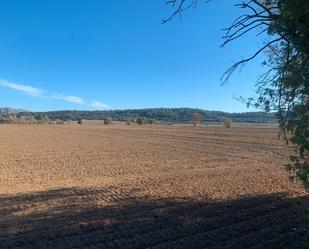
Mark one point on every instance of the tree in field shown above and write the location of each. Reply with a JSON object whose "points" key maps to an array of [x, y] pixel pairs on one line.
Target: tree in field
{"points": [[140, 121], [284, 86], [228, 122], [79, 121], [196, 119], [108, 121]]}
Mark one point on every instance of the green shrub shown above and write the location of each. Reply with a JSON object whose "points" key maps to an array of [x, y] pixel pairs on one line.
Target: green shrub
{"points": [[140, 121], [108, 121]]}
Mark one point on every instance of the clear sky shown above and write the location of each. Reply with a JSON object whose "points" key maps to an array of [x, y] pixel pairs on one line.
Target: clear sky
{"points": [[96, 54]]}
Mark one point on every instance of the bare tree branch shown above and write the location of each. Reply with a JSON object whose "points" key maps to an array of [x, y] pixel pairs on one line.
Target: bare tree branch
{"points": [[182, 5], [225, 77], [260, 15]]}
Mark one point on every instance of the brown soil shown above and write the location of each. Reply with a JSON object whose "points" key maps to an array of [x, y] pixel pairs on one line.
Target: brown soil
{"points": [[95, 186]]}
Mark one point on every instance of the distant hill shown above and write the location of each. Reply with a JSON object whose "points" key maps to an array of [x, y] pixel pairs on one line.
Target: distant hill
{"points": [[174, 115]]}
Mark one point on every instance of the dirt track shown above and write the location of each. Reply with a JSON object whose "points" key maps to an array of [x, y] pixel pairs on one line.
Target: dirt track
{"points": [[92, 186]]}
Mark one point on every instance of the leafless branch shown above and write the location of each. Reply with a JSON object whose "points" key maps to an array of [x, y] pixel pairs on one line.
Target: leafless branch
{"points": [[260, 15], [182, 5], [225, 77]]}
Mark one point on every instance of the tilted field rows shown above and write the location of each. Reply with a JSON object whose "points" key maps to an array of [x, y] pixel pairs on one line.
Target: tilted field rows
{"points": [[92, 186]]}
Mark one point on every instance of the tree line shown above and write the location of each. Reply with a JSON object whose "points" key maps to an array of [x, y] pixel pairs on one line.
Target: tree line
{"points": [[165, 115]]}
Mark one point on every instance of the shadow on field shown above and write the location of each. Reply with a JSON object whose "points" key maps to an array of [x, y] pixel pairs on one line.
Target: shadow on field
{"points": [[78, 218]]}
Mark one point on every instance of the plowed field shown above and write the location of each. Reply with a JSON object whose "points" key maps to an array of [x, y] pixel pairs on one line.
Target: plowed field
{"points": [[95, 186]]}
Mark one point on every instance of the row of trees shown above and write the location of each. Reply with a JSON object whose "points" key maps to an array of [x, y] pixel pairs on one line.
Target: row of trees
{"points": [[139, 121], [196, 120], [40, 119], [174, 115], [23, 119]]}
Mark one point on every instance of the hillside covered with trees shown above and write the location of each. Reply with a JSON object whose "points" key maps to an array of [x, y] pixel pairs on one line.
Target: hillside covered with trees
{"points": [[173, 115]]}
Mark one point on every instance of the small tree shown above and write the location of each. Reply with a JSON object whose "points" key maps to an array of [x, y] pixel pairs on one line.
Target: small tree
{"points": [[228, 122], [108, 121], [196, 120], [45, 119], [128, 122], [79, 121], [140, 121]]}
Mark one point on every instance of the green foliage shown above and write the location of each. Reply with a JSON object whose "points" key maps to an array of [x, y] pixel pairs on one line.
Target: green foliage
{"points": [[108, 121], [175, 115], [144, 121], [287, 91], [28, 118], [141, 121]]}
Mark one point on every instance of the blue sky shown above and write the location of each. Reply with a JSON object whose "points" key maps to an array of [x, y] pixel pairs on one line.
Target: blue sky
{"points": [[98, 54]]}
